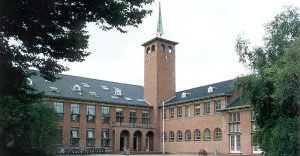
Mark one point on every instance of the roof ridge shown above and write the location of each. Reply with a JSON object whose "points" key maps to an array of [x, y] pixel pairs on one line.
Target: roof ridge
{"points": [[206, 85], [61, 74]]}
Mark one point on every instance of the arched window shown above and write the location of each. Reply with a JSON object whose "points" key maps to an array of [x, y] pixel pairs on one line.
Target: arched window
{"points": [[148, 50], [218, 134], [171, 136], [207, 135], [197, 135], [162, 47], [169, 49], [165, 136], [179, 135], [188, 135], [153, 48]]}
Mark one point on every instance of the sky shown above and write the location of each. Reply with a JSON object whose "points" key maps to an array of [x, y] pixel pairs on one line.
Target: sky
{"points": [[206, 31]]}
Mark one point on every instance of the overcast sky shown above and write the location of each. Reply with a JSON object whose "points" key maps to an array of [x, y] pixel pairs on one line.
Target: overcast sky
{"points": [[205, 29]]}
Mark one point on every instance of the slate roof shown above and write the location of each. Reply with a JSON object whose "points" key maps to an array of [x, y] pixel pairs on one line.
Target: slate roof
{"points": [[65, 84], [220, 89], [235, 103]]}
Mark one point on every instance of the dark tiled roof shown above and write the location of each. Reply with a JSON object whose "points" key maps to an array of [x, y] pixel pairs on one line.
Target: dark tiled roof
{"points": [[66, 83], [159, 39], [235, 103], [220, 89]]}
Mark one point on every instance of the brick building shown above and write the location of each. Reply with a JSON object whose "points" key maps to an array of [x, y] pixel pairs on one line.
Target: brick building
{"points": [[97, 113]]}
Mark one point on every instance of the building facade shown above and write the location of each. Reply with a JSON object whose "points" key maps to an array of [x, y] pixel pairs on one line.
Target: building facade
{"points": [[97, 113], [117, 116]]}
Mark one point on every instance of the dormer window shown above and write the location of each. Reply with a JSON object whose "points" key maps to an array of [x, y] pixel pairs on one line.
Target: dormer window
{"points": [[184, 94], [76, 87], [118, 92], [211, 89], [162, 47], [85, 85], [54, 89]]}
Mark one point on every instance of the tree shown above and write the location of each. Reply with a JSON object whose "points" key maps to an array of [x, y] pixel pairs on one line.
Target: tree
{"points": [[37, 34], [273, 87]]}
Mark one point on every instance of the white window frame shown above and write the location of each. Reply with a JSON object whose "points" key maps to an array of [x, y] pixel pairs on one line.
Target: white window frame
{"points": [[235, 150]]}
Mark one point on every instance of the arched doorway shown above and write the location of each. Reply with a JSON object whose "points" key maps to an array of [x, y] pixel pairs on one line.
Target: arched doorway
{"points": [[149, 141], [137, 141], [124, 140]]}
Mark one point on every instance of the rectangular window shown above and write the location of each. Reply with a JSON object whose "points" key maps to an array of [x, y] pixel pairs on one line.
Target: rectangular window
{"points": [[165, 114], [218, 106], [179, 112], [105, 138], [59, 108], [91, 113], [119, 115], [132, 117], [171, 113], [235, 144], [145, 117], [207, 108], [253, 126], [75, 112], [197, 109], [234, 122], [74, 137], [90, 137], [187, 111], [105, 115]]}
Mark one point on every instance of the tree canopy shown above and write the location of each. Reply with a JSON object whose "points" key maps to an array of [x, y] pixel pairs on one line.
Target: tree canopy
{"points": [[37, 34], [273, 87]]}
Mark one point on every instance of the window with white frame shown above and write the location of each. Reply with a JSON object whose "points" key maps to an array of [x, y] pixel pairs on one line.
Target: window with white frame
{"points": [[105, 115], [218, 106], [234, 122], [90, 137], [75, 109], [207, 135], [188, 111], [179, 135], [197, 135], [207, 108], [91, 112], [218, 134], [74, 137], [132, 117], [145, 117], [59, 108], [105, 138], [171, 111], [253, 125], [119, 115], [235, 143], [197, 109], [179, 111], [188, 135], [171, 136]]}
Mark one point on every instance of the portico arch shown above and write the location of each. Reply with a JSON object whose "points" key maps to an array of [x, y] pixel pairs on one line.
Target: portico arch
{"points": [[124, 140]]}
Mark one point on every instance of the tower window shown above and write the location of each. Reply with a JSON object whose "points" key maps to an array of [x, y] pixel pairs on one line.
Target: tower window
{"points": [[148, 50], [169, 49], [153, 48], [162, 47]]}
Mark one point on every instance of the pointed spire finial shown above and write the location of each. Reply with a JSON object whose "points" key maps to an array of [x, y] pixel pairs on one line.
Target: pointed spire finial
{"points": [[159, 29]]}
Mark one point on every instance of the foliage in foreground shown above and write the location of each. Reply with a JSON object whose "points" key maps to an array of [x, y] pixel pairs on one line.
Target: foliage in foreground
{"points": [[273, 87], [38, 34]]}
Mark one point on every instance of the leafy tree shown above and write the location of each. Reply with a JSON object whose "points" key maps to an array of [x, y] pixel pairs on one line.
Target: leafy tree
{"points": [[273, 87], [37, 34]]}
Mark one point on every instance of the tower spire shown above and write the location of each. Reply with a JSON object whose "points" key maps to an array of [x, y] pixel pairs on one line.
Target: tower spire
{"points": [[159, 29]]}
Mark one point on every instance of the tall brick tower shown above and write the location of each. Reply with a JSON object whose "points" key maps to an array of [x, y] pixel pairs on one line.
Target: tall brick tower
{"points": [[159, 72]]}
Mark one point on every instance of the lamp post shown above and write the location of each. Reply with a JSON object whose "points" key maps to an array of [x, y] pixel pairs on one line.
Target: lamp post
{"points": [[163, 131]]}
